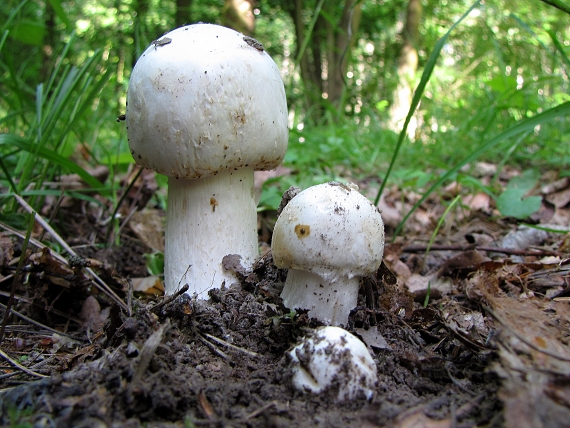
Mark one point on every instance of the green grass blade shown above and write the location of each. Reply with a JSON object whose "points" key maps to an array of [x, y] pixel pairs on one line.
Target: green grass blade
{"points": [[430, 65], [56, 72], [13, 13], [75, 194], [559, 48], [3, 38], [51, 156], [558, 4], [86, 101], [60, 12], [8, 175], [524, 125]]}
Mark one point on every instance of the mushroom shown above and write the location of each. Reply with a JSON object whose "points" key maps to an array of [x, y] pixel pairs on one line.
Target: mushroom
{"points": [[206, 107], [332, 357], [328, 236]]}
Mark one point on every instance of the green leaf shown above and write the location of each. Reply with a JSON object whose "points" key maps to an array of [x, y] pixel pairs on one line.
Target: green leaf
{"points": [[16, 220], [512, 203], [29, 32], [121, 159], [524, 182], [502, 83], [155, 263]]}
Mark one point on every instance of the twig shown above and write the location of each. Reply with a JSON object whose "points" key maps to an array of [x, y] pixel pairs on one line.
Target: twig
{"points": [[523, 339], [35, 366], [130, 291], [32, 241], [262, 409], [214, 348], [21, 367], [121, 200], [169, 299], [40, 325], [509, 251], [229, 345], [99, 283]]}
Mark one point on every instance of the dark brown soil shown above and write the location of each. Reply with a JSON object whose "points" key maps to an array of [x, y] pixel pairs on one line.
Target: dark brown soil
{"points": [[223, 362]]}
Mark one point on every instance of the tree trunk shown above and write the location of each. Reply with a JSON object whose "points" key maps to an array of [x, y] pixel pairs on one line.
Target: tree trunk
{"points": [[339, 49], [238, 14], [182, 15], [310, 63], [407, 66]]}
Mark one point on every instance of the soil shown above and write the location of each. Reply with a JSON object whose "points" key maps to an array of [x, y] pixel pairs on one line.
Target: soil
{"points": [[182, 361]]}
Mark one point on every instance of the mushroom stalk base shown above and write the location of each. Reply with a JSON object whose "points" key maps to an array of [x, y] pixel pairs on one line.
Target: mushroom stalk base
{"points": [[330, 302], [207, 219]]}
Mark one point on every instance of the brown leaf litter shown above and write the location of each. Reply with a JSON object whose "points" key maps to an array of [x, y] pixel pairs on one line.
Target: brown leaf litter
{"points": [[469, 330]]}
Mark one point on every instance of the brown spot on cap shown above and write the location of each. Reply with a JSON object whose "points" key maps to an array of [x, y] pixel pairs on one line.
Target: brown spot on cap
{"points": [[302, 230]]}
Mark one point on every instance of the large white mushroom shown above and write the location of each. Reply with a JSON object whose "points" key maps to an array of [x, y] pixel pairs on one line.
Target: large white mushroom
{"points": [[206, 107], [330, 357], [329, 236]]}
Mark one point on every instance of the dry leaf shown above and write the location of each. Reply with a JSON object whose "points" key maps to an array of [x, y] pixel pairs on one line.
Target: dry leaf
{"points": [[148, 226], [149, 285]]}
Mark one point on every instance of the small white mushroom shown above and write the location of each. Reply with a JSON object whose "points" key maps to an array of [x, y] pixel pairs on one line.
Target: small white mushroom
{"points": [[332, 357], [328, 236], [206, 107]]}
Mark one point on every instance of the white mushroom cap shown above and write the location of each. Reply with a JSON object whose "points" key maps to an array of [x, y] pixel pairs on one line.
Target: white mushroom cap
{"points": [[328, 236], [331, 356], [203, 99]]}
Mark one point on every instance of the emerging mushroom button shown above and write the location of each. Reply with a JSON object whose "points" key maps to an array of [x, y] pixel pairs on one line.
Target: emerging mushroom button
{"points": [[330, 357], [328, 236], [206, 107]]}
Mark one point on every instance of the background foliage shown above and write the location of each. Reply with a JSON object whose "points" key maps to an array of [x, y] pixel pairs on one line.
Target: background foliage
{"points": [[64, 69]]}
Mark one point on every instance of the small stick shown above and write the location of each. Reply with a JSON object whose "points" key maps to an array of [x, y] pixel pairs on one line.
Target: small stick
{"points": [[35, 366], [509, 251], [229, 345], [21, 367], [129, 296], [262, 409], [214, 348], [169, 299], [99, 283], [40, 325], [32, 241]]}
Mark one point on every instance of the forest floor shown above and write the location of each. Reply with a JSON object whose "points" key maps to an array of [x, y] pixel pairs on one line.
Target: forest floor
{"points": [[473, 331]]}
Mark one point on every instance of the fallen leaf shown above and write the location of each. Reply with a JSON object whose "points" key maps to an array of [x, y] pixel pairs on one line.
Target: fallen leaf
{"points": [[149, 285], [148, 226]]}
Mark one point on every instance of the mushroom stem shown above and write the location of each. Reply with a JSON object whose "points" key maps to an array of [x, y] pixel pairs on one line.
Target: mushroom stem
{"points": [[330, 302], [207, 219]]}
